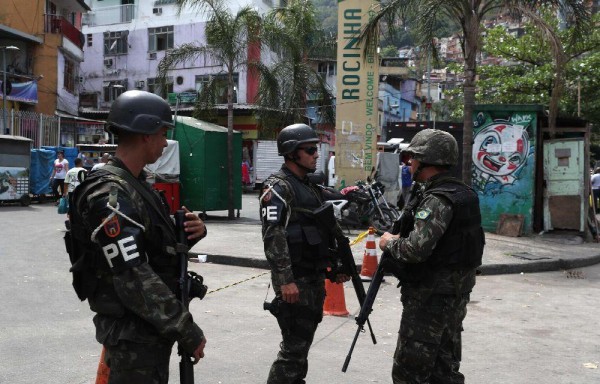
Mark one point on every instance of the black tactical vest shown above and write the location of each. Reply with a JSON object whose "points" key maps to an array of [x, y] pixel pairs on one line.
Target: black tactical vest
{"points": [[308, 244], [159, 238], [461, 246]]}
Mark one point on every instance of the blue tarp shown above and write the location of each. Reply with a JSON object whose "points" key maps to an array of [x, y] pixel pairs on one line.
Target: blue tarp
{"points": [[42, 161], [70, 154]]}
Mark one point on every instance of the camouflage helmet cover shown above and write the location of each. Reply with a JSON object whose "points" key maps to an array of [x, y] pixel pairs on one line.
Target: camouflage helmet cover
{"points": [[434, 147], [292, 136]]}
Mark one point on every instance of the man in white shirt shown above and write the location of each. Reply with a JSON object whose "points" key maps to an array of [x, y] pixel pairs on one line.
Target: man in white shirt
{"points": [[74, 177], [103, 160]]}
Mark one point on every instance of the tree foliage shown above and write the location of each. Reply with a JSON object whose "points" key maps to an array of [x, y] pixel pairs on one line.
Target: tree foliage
{"points": [[527, 71], [469, 16], [227, 38], [287, 80]]}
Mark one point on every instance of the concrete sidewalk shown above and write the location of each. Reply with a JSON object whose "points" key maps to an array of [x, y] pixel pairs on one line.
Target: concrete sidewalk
{"points": [[238, 242]]}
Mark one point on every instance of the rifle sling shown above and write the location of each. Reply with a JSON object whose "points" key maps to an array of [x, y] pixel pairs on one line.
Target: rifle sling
{"points": [[146, 195]]}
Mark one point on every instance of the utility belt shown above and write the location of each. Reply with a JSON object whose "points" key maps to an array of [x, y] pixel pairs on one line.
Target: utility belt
{"points": [[287, 315]]}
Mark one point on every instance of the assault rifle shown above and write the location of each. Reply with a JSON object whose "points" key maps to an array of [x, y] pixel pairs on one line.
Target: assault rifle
{"points": [[326, 219], [386, 264], [186, 366]]}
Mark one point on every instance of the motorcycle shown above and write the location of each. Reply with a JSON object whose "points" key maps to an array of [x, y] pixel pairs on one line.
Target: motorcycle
{"points": [[361, 205]]}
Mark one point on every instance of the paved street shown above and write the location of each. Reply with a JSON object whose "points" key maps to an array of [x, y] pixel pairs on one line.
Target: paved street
{"points": [[521, 328]]}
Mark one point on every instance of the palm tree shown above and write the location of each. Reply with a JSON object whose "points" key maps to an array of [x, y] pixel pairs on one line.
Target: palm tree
{"points": [[228, 37], [288, 81], [469, 14]]}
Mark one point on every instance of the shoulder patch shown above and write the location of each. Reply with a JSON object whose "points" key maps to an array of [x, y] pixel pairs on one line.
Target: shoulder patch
{"points": [[423, 214], [112, 228], [266, 195]]}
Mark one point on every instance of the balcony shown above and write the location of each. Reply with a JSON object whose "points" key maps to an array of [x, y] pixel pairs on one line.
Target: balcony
{"points": [[110, 15], [59, 25]]}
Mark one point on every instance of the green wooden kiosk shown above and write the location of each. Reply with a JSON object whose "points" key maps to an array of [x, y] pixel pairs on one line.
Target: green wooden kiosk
{"points": [[203, 157]]}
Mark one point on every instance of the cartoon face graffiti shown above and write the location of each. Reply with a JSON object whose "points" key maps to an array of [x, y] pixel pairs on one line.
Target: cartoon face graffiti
{"points": [[500, 149]]}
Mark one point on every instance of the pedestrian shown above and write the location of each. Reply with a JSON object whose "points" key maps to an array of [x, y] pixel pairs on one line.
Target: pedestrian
{"points": [[297, 251], [596, 188], [102, 161], [406, 181], [59, 172], [124, 250], [438, 249], [74, 177]]}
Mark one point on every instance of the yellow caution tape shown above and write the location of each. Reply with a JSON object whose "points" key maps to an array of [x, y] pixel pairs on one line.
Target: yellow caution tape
{"points": [[359, 237]]}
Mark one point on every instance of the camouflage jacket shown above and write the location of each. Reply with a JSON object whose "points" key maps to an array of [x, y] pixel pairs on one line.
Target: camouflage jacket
{"points": [[432, 216], [135, 263]]}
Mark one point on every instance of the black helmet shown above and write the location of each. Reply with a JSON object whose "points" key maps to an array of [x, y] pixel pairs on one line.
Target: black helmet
{"points": [[292, 136], [138, 112]]}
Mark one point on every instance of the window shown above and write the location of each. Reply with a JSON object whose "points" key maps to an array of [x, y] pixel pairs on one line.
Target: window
{"points": [[88, 100], [88, 38], [115, 43], [112, 89], [154, 86], [70, 75], [221, 79], [326, 68], [160, 39]]}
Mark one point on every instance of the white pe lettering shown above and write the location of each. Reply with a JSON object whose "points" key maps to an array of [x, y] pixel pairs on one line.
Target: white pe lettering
{"points": [[110, 251], [126, 247], [270, 213], [129, 251]]}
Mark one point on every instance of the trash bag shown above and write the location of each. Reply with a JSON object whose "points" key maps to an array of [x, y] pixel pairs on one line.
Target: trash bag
{"points": [[63, 206]]}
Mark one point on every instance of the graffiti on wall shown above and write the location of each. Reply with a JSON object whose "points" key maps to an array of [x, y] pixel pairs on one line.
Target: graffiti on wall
{"points": [[503, 164], [501, 149]]}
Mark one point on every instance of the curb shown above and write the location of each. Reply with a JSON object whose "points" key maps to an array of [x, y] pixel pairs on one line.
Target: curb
{"points": [[484, 270], [538, 266]]}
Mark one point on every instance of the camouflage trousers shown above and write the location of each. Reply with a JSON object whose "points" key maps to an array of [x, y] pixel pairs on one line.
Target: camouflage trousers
{"points": [[429, 342], [132, 363], [291, 364]]}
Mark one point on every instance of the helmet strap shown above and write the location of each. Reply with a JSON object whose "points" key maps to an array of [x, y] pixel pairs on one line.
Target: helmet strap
{"points": [[418, 171]]}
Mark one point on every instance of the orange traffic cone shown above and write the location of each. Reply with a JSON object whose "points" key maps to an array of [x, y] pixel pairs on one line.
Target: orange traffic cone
{"points": [[369, 264], [103, 370], [335, 302]]}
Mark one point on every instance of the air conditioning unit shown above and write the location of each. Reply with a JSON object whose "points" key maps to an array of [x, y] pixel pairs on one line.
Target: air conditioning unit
{"points": [[157, 11], [140, 84], [108, 63], [151, 55]]}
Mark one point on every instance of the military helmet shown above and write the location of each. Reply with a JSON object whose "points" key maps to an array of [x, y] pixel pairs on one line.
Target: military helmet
{"points": [[292, 136], [434, 147], [138, 112]]}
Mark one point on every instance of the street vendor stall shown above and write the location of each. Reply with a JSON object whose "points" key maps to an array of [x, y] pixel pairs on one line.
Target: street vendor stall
{"points": [[164, 175], [15, 162], [203, 157]]}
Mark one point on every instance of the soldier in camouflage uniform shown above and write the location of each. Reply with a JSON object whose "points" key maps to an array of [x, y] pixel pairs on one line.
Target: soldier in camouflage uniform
{"points": [[124, 250], [297, 251], [439, 247]]}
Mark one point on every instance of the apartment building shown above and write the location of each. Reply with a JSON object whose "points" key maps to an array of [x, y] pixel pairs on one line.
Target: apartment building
{"points": [[42, 48], [124, 41]]}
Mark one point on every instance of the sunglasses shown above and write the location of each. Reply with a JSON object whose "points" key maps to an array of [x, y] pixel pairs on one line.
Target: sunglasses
{"points": [[309, 150]]}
